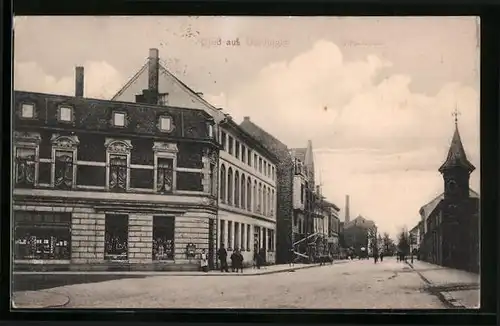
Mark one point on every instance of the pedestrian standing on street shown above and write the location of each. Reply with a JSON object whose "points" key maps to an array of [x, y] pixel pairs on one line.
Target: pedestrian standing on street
{"points": [[223, 259], [234, 260], [204, 261], [375, 257], [256, 258], [239, 261], [381, 256], [290, 257]]}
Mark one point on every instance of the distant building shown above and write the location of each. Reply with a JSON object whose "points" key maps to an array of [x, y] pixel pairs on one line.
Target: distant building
{"points": [[358, 234], [247, 173], [450, 222], [415, 236]]}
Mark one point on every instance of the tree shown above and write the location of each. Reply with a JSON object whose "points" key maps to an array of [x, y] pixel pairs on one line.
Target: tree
{"points": [[388, 243], [404, 241]]}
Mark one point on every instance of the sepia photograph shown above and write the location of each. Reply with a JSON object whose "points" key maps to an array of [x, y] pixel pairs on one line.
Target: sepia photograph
{"points": [[239, 162]]}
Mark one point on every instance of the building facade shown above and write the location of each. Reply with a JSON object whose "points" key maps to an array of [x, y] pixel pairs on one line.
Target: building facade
{"points": [[245, 219], [358, 234], [105, 184], [284, 174], [451, 220]]}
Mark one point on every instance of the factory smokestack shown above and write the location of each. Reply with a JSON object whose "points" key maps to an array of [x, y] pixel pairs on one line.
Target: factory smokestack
{"points": [[347, 217]]}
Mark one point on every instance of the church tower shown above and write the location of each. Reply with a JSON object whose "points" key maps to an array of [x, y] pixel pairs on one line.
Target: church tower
{"points": [[456, 170]]}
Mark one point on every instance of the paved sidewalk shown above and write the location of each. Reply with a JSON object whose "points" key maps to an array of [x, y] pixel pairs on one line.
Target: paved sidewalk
{"points": [[39, 299], [271, 269], [458, 288]]}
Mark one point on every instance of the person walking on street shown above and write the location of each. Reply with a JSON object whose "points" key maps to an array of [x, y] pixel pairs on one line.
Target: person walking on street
{"points": [[204, 261], [256, 258], [381, 256], [223, 259], [291, 254], [234, 260], [375, 257]]}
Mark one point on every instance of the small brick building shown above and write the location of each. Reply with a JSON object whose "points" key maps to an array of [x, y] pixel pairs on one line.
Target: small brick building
{"points": [[106, 184]]}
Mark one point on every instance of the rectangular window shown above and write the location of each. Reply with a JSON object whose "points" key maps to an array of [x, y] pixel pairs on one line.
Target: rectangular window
{"points": [[119, 119], [236, 235], [249, 237], [229, 234], [242, 236], [222, 233], [223, 140], [116, 237], [237, 150], [25, 167], [163, 99], [270, 239], [163, 237], [165, 175], [40, 235], [65, 114], [249, 157], [230, 145], [255, 161], [63, 170], [118, 172], [165, 124], [27, 111], [213, 179], [210, 130], [243, 153], [260, 164]]}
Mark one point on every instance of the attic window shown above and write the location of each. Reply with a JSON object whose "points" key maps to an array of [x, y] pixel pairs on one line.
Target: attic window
{"points": [[65, 114], [119, 119], [165, 124], [27, 111]]}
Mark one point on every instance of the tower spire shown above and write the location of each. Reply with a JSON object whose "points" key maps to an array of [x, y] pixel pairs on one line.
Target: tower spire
{"points": [[455, 114]]}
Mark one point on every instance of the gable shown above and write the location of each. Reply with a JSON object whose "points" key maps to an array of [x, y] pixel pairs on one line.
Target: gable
{"points": [[179, 95]]}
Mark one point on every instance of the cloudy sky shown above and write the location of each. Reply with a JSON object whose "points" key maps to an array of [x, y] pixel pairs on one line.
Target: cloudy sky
{"points": [[375, 95]]}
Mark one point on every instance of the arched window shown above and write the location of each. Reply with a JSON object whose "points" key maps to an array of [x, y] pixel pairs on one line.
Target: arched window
{"points": [[255, 197], [259, 204], [249, 194], [264, 198], [222, 185], [236, 189], [230, 186], [242, 191]]}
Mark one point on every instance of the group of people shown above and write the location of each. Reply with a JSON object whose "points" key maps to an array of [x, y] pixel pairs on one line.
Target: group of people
{"points": [[377, 256], [237, 259]]}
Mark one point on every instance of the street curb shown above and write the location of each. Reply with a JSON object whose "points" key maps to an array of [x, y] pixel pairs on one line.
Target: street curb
{"points": [[447, 299], [252, 274]]}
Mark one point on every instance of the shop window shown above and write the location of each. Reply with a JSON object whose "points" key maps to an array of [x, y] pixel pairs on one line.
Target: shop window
{"points": [[116, 237], [165, 175], [229, 234], [43, 236], [222, 233], [25, 167], [236, 235], [163, 237], [63, 170]]}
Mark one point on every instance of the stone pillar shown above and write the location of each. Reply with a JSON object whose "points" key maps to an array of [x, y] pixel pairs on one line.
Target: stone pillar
{"points": [[87, 237], [140, 238]]}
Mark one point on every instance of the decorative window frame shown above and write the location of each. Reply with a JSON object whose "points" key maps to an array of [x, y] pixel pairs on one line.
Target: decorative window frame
{"points": [[28, 140], [122, 147], [67, 106], [125, 119], [20, 111], [63, 144], [165, 116], [169, 151]]}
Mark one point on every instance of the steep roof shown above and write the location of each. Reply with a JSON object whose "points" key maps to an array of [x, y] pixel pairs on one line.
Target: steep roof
{"points": [[456, 154], [427, 209], [360, 221], [309, 158]]}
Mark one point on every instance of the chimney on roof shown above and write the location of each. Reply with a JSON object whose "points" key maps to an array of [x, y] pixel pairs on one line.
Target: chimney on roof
{"points": [[153, 74], [246, 118], [347, 217], [79, 81]]}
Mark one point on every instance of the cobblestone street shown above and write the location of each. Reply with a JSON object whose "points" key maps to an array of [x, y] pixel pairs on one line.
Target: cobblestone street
{"points": [[354, 284]]}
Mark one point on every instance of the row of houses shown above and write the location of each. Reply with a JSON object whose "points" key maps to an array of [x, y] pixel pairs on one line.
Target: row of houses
{"points": [[448, 231], [153, 176]]}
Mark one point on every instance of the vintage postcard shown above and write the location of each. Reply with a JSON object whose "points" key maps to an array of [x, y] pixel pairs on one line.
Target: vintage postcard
{"points": [[246, 162]]}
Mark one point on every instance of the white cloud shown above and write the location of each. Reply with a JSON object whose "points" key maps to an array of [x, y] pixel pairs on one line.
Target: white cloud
{"points": [[102, 80], [381, 142]]}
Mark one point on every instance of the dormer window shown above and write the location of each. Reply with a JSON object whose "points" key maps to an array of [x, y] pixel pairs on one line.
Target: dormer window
{"points": [[119, 119], [65, 114], [27, 111], [165, 124]]}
